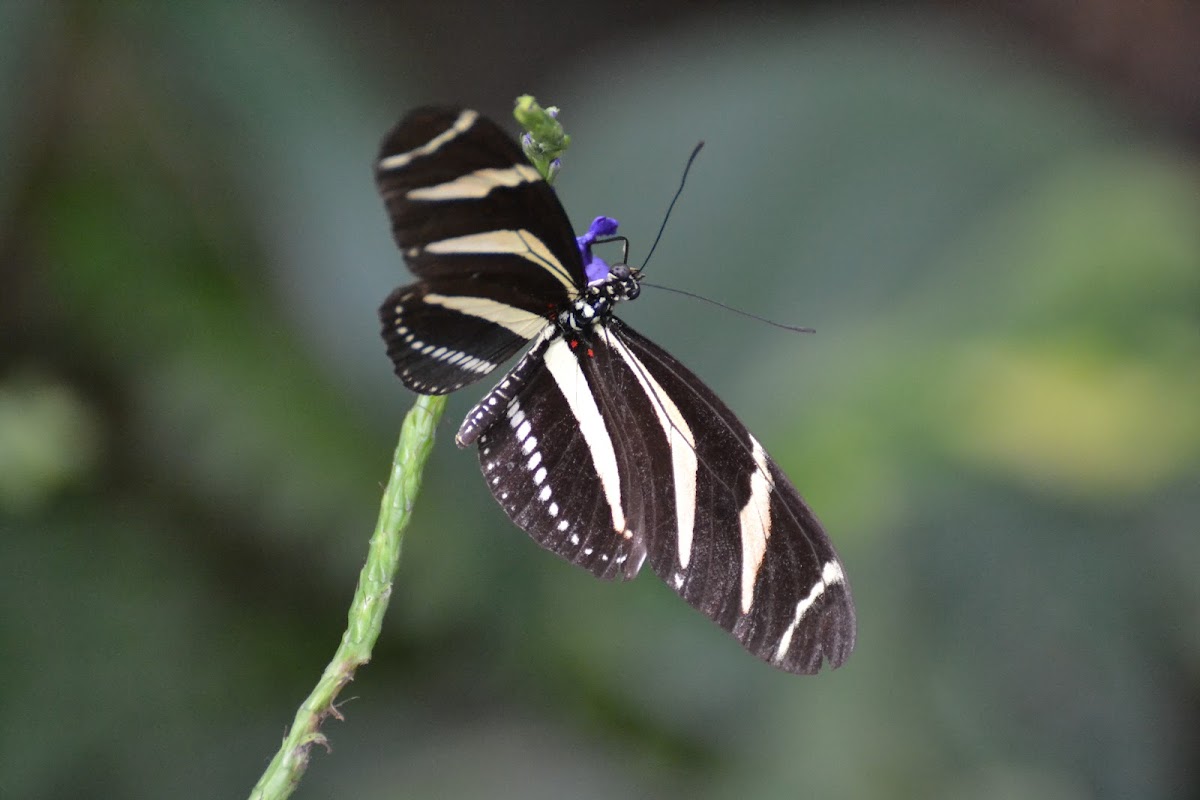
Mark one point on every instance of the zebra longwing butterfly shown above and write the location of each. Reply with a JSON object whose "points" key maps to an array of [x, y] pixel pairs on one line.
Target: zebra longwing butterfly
{"points": [[600, 445]]}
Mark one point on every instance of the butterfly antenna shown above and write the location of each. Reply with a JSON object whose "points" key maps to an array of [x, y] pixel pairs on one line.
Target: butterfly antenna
{"points": [[792, 328], [678, 192]]}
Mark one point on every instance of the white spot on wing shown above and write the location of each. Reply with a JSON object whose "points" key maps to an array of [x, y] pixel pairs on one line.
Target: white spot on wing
{"points": [[832, 573], [455, 358]]}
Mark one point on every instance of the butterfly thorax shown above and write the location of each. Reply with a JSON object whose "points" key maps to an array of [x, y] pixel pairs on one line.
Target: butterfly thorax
{"points": [[597, 301]]}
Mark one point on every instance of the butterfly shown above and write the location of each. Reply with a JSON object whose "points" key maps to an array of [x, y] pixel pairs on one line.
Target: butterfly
{"points": [[598, 443]]}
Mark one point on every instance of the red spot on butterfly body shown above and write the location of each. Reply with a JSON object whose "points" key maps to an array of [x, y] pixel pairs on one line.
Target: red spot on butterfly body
{"points": [[591, 353], [574, 343]]}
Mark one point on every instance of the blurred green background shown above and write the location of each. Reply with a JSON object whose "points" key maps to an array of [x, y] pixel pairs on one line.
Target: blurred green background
{"points": [[990, 213]]}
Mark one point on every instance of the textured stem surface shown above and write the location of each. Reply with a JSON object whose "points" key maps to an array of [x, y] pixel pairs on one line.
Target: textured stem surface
{"points": [[370, 602]]}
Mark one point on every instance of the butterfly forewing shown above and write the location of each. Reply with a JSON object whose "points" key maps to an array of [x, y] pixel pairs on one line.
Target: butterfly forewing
{"points": [[464, 200], [475, 219]]}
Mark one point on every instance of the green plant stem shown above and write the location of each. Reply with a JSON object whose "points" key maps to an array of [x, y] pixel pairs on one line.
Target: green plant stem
{"points": [[370, 602], [546, 143]]}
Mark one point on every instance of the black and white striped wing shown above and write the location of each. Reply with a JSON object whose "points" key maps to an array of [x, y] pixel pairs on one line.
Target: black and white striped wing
{"points": [[445, 333], [493, 245], [547, 458], [739, 543], [611, 451]]}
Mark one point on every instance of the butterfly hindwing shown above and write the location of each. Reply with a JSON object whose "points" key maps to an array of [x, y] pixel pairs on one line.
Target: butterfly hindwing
{"points": [[486, 233]]}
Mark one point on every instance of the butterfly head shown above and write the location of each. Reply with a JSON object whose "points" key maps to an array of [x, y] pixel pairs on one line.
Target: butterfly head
{"points": [[623, 282], [619, 282], [613, 281]]}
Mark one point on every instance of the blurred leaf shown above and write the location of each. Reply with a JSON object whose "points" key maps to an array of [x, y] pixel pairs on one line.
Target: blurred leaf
{"points": [[1062, 422], [48, 440]]}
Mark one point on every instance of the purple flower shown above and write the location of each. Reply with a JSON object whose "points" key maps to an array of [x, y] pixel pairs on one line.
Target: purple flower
{"points": [[593, 266]]}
